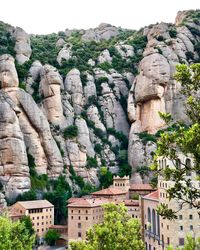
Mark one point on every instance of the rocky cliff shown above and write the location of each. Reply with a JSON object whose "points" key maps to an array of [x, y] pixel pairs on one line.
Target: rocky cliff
{"points": [[79, 100]]}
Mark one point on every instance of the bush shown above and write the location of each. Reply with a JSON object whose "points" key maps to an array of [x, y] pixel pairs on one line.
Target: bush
{"points": [[102, 79], [160, 38], [173, 33], [98, 148], [70, 132], [27, 196], [51, 237], [145, 137], [91, 162], [189, 55]]}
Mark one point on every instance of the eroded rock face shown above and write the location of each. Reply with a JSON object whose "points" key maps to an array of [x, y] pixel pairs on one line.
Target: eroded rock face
{"points": [[22, 45], [64, 54], [50, 85], [73, 86], [103, 32], [23, 127]]}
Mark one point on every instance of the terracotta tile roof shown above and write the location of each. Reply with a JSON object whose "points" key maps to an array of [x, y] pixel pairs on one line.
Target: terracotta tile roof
{"points": [[110, 191], [59, 227], [141, 187], [88, 202], [131, 203], [154, 195], [35, 204]]}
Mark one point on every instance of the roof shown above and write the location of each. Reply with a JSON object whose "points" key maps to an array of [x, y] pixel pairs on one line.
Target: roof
{"points": [[130, 202], [88, 202], [141, 187], [153, 196], [35, 204], [110, 191]]}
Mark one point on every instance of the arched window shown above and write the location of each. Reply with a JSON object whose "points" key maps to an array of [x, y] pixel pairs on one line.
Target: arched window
{"points": [[158, 225], [154, 221], [188, 167], [149, 215]]}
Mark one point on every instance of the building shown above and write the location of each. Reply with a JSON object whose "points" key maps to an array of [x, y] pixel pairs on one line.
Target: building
{"points": [[140, 189], [83, 213], [121, 182], [158, 232], [41, 213], [133, 207], [111, 194]]}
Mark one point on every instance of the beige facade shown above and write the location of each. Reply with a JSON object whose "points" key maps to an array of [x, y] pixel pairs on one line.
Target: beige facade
{"points": [[82, 215], [111, 193], [158, 232], [41, 213], [121, 182]]}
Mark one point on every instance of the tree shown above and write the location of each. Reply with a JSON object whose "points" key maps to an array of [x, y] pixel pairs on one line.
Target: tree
{"points": [[15, 235], [190, 244], [28, 224], [184, 139], [51, 237], [118, 231]]}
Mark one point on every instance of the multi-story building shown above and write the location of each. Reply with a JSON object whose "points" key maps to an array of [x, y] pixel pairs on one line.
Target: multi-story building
{"points": [[140, 189], [111, 194], [41, 213], [158, 232], [83, 213]]}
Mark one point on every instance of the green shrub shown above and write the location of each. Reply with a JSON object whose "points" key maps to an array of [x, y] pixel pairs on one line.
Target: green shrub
{"points": [[105, 66], [98, 148], [145, 137], [105, 177], [102, 79], [189, 55], [27, 196], [138, 42], [173, 33], [91, 162], [160, 38], [70, 132]]}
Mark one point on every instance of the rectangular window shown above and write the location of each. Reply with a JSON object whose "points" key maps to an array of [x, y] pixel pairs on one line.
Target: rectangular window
{"points": [[181, 241], [79, 225], [181, 228], [190, 217], [79, 234], [180, 217], [191, 227], [79, 217], [168, 241], [72, 217]]}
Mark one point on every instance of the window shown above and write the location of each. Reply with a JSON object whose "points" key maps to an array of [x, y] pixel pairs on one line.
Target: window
{"points": [[86, 211], [47, 210], [33, 218], [37, 230], [42, 229], [38, 218], [167, 227], [181, 228], [79, 211], [38, 224], [79, 217], [79, 225], [79, 234], [72, 211], [47, 216], [191, 227], [190, 217], [86, 218], [162, 225], [168, 241], [181, 241], [42, 217], [42, 223], [180, 217]]}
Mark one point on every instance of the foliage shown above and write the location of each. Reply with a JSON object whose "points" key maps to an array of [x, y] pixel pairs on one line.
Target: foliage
{"points": [[91, 162], [59, 196], [98, 148], [51, 237], [70, 132], [189, 55], [145, 137], [27, 196], [173, 33], [190, 244], [14, 235], [120, 136], [138, 42], [118, 231], [105, 177], [184, 139], [7, 43], [143, 171], [28, 224]]}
